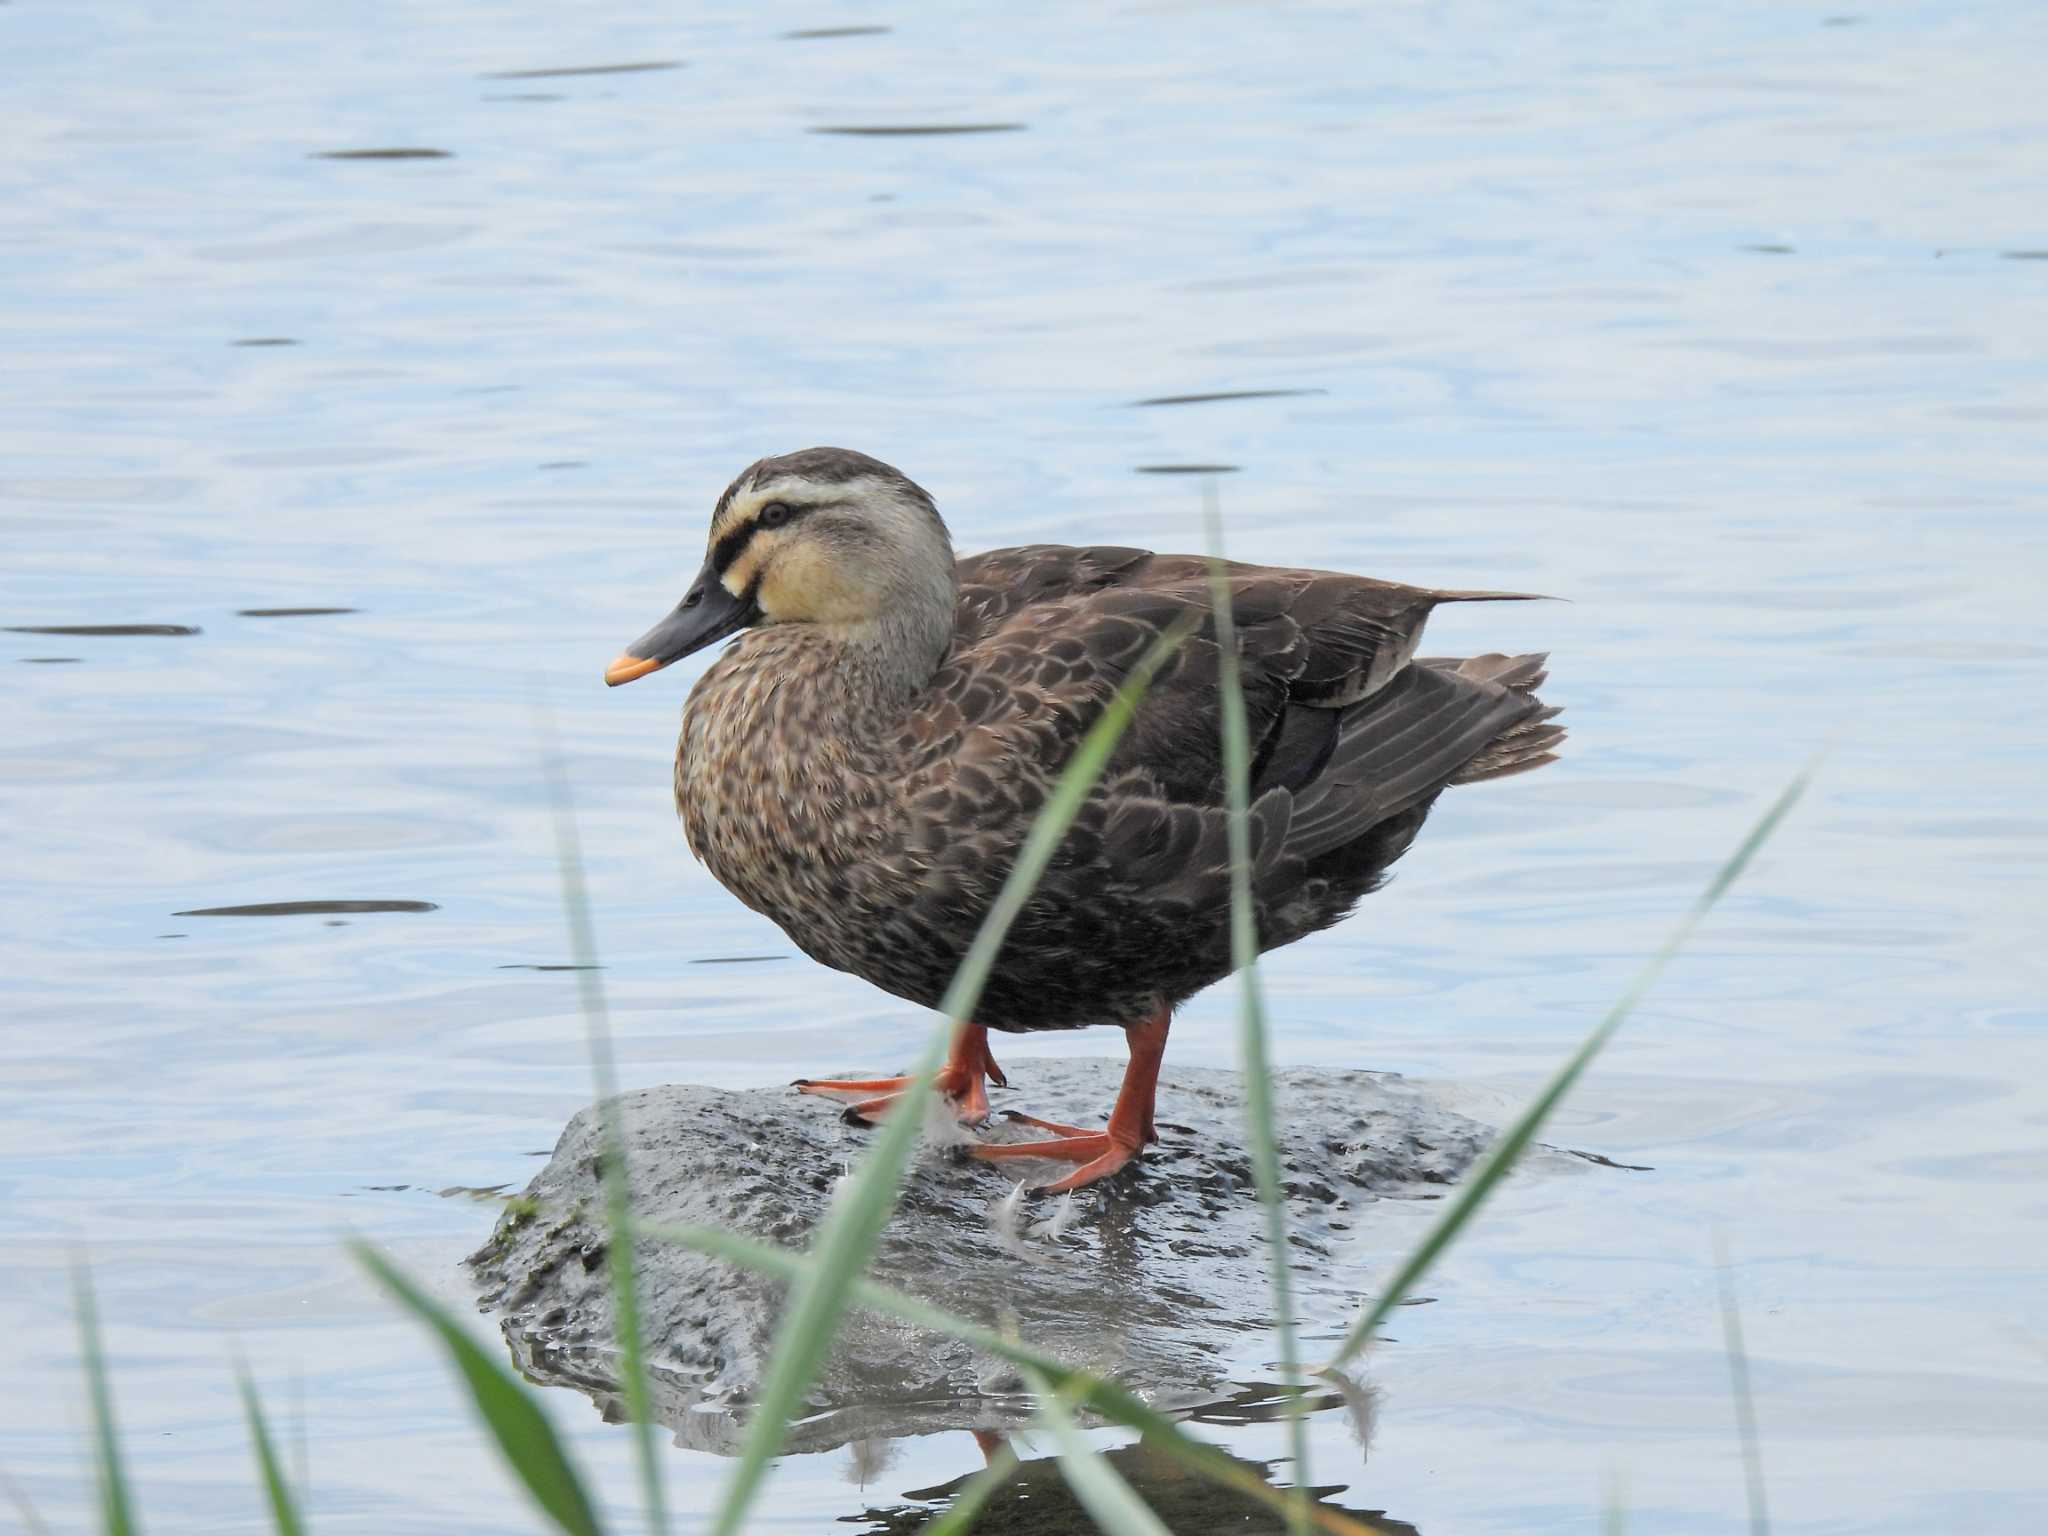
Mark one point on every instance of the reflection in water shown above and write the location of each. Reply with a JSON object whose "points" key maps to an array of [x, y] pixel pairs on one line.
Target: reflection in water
{"points": [[1035, 1500], [289, 613]]}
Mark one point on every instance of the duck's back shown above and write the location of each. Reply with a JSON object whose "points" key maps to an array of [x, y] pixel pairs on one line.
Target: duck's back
{"points": [[1352, 740]]}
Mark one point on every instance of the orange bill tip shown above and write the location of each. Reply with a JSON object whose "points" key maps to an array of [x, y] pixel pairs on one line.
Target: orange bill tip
{"points": [[625, 668]]}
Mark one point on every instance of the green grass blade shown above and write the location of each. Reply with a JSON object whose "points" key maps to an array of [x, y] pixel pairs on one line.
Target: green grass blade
{"points": [[1745, 1405], [1111, 1502], [1261, 1120], [523, 1434], [617, 1203], [847, 1240], [1080, 1387], [958, 1517], [117, 1513], [284, 1509], [1515, 1140]]}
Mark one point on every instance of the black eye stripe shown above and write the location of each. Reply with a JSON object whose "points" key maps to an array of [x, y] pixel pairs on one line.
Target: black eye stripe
{"points": [[728, 548]]}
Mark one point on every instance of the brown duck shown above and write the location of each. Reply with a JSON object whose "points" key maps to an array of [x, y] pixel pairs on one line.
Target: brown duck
{"points": [[861, 765]]}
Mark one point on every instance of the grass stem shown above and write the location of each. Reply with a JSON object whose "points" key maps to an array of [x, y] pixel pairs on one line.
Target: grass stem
{"points": [[117, 1512], [1261, 1118], [1745, 1405], [617, 1188]]}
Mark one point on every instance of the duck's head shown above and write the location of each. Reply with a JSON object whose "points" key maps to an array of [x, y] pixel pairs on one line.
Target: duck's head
{"points": [[826, 536]]}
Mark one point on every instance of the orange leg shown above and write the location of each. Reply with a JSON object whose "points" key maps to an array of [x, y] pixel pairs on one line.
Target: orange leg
{"points": [[969, 1068], [1100, 1153]]}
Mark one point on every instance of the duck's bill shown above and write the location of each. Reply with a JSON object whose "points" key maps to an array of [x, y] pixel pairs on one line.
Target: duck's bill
{"points": [[708, 614]]}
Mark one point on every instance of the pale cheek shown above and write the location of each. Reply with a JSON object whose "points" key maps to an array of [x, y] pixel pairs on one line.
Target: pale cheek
{"points": [[740, 574], [821, 592], [787, 593]]}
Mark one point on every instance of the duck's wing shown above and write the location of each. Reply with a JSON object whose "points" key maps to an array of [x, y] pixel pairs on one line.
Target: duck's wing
{"points": [[1347, 729], [995, 586], [1068, 624]]}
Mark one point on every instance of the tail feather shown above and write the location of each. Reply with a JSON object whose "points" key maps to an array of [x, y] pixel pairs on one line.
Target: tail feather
{"points": [[1527, 744], [1457, 595]]}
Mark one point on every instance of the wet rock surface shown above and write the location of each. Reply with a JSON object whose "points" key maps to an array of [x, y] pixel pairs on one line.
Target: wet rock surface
{"points": [[1156, 1276]]}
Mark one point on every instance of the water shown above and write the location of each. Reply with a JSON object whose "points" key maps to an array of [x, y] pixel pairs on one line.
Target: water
{"points": [[1727, 323]]}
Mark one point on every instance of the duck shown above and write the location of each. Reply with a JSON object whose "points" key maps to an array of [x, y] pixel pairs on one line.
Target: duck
{"points": [[863, 760]]}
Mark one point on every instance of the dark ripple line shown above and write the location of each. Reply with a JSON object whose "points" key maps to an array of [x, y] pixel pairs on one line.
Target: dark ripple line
{"points": [[917, 130], [308, 908], [568, 71], [1228, 394], [402, 152], [101, 629]]}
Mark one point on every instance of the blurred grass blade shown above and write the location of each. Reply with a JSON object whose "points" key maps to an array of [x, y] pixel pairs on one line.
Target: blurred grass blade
{"points": [[1261, 1120], [302, 1461], [1510, 1145], [117, 1515], [31, 1522], [284, 1510], [1615, 1520], [958, 1517], [617, 1202], [525, 1438], [1110, 1501], [861, 1208], [1080, 1387], [1745, 1405]]}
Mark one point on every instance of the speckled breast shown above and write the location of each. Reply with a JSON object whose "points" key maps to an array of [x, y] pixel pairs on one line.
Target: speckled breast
{"points": [[782, 806]]}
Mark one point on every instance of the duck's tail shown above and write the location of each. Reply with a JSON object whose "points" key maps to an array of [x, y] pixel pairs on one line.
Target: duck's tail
{"points": [[1530, 742]]}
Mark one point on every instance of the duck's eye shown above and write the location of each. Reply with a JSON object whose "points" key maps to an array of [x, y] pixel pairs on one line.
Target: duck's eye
{"points": [[774, 515]]}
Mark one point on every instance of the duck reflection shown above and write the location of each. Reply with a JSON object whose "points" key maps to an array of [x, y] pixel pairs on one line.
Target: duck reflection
{"points": [[1034, 1500], [1032, 1497]]}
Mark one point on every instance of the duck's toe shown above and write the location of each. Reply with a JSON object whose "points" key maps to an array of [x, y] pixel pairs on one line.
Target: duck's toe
{"points": [[1018, 1117], [873, 1097], [1098, 1152]]}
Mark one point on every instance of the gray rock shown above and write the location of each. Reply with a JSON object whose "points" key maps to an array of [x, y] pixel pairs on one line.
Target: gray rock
{"points": [[1156, 1276]]}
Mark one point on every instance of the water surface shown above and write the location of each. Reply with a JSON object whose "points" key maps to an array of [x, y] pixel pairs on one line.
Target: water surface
{"points": [[371, 371]]}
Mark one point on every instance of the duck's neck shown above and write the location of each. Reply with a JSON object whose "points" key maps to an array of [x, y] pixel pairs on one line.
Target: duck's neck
{"points": [[882, 664]]}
